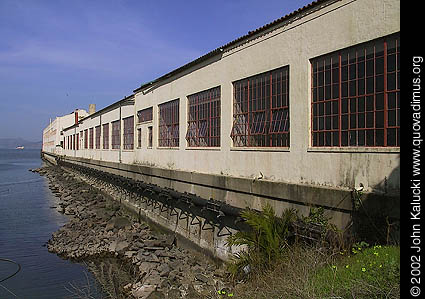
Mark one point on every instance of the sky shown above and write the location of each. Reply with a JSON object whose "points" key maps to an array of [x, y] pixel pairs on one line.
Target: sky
{"points": [[59, 55]]}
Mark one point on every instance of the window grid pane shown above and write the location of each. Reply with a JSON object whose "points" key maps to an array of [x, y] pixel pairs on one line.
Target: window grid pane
{"points": [[105, 136], [116, 140], [204, 118], [129, 133], [145, 115], [169, 124], [97, 139], [361, 108], [261, 110]]}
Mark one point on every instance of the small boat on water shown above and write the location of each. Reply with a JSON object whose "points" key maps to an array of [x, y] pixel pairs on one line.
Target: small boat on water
{"points": [[20, 147]]}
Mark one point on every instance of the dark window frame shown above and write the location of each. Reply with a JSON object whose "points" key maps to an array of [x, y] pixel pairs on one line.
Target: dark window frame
{"points": [[128, 133], [261, 110], [204, 118], [168, 126], [116, 134], [145, 115], [365, 109]]}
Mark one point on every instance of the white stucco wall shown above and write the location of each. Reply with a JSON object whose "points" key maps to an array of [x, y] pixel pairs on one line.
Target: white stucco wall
{"points": [[339, 25], [336, 26]]}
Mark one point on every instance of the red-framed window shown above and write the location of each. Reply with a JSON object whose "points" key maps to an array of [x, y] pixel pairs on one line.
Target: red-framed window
{"points": [[74, 141], [116, 134], [203, 128], [86, 138], [150, 136], [77, 141], [105, 136], [97, 137], [91, 138], [139, 138], [356, 96], [145, 115], [169, 124], [261, 110], [128, 133]]}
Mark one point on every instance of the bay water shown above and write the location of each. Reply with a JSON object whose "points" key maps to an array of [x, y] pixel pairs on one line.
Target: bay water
{"points": [[27, 220]]}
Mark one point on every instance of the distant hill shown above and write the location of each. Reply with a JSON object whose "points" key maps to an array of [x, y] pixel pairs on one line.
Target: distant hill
{"points": [[11, 143]]}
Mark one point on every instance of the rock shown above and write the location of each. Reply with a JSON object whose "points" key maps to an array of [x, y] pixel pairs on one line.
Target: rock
{"points": [[164, 270], [201, 277], [122, 245], [144, 291]]}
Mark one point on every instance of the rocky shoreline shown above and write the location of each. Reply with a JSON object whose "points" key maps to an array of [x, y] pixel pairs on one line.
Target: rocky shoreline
{"points": [[128, 258]]}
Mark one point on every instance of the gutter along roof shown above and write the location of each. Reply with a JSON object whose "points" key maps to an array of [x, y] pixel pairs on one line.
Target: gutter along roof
{"points": [[234, 42]]}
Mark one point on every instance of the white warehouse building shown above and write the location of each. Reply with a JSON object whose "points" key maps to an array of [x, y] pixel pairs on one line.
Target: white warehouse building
{"points": [[296, 113]]}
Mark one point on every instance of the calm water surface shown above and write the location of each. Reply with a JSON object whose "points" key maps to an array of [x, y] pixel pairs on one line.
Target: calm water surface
{"points": [[27, 221]]}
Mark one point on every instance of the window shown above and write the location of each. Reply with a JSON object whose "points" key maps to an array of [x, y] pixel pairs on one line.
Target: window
{"points": [[97, 140], [91, 138], [74, 141], [105, 136], [139, 138], [77, 142], [169, 124], [150, 136], [116, 140], [204, 118], [86, 136], [356, 95], [145, 115], [129, 133], [261, 110]]}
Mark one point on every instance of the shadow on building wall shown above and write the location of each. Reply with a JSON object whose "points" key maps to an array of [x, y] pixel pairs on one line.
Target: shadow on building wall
{"points": [[376, 215]]}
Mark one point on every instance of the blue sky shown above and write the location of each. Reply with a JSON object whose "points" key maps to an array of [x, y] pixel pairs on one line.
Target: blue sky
{"points": [[57, 55]]}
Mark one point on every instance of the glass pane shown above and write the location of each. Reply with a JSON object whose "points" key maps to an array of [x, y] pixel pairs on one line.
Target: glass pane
{"points": [[391, 137], [379, 119], [370, 103], [369, 120], [369, 138], [344, 105], [353, 138], [391, 100], [379, 137], [391, 61], [361, 135], [335, 137], [344, 122], [353, 105], [328, 138], [353, 121], [379, 66], [379, 101], [361, 104], [361, 120], [391, 83], [344, 138], [391, 118]]}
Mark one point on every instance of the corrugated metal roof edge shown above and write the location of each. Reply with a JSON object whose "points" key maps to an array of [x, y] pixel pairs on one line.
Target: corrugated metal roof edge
{"points": [[220, 49], [122, 101]]}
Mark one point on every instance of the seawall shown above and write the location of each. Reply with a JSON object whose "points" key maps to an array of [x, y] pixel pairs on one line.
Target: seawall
{"points": [[204, 209]]}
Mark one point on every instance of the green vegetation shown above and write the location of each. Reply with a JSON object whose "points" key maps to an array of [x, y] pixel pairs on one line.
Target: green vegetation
{"points": [[273, 264]]}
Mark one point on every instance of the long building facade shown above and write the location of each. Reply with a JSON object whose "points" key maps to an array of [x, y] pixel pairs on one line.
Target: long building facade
{"points": [[297, 113]]}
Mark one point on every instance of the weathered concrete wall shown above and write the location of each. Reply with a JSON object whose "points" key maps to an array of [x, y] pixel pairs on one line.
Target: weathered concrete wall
{"points": [[237, 192]]}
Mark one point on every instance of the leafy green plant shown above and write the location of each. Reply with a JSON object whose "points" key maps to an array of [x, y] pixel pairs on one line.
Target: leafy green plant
{"points": [[265, 241]]}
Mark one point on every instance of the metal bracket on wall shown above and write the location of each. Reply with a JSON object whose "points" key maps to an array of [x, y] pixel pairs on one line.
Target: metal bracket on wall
{"points": [[183, 213], [229, 233], [193, 218], [173, 212], [164, 209], [211, 226]]}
